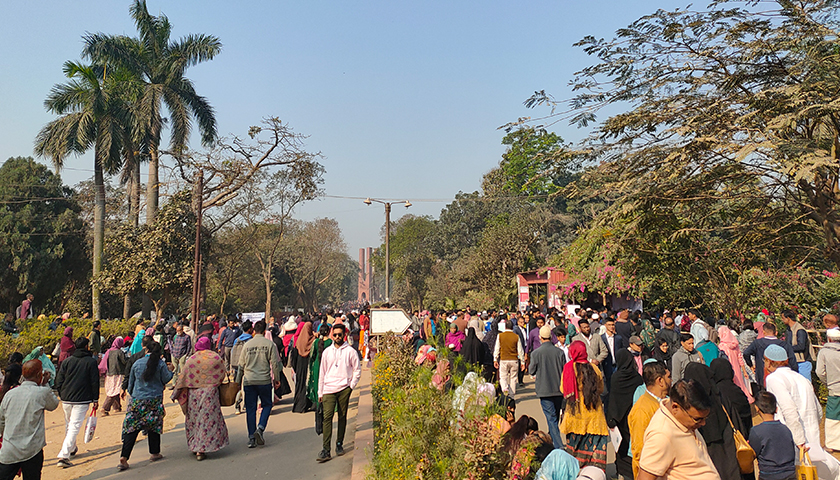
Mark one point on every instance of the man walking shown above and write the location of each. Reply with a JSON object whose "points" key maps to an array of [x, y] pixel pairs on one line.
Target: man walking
{"points": [[259, 356], [77, 383], [180, 350], [25, 308], [673, 448], [22, 424], [797, 337], [547, 366], [596, 350], [340, 373], [759, 345], [508, 354], [828, 369], [798, 409], [230, 335], [95, 339], [657, 380]]}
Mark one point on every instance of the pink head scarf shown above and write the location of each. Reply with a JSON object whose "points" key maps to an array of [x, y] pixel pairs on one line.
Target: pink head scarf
{"points": [[729, 346]]}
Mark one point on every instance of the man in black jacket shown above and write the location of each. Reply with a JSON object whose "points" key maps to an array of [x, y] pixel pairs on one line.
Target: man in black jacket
{"points": [[77, 383]]}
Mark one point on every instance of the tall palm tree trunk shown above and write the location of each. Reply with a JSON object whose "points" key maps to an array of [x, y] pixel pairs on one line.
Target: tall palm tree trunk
{"points": [[152, 195], [98, 231], [133, 209]]}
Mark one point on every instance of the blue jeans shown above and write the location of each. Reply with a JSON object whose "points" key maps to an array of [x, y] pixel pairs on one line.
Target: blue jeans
{"points": [[266, 395], [551, 407], [805, 369]]}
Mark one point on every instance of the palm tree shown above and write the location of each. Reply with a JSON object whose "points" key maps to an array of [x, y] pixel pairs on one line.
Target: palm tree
{"points": [[160, 64], [92, 116]]}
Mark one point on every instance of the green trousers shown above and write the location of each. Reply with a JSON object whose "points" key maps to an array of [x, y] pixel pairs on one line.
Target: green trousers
{"points": [[339, 400]]}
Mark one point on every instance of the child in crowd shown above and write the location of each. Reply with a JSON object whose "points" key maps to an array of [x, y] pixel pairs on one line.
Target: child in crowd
{"points": [[772, 442]]}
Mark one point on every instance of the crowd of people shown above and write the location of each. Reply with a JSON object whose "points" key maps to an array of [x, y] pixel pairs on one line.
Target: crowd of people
{"points": [[139, 368], [678, 396]]}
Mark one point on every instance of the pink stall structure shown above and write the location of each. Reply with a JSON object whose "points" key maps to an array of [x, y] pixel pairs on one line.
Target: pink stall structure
{"points": [[552, 284]]}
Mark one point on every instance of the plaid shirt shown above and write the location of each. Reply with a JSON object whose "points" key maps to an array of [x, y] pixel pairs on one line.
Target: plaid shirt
{"points": [[181, 345]]}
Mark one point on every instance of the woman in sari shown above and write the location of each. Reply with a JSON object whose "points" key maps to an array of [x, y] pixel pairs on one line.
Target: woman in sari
{"points": [[67, 346], [584, 423], [113, 364], [318, 346], [197, 391]]}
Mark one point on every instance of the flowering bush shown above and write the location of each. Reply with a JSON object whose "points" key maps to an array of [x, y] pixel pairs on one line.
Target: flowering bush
{"points": [[417, 431]]}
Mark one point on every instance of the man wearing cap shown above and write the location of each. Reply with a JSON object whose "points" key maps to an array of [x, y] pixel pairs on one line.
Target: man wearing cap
{"points": [[547, 366], [756, 349], [636, 348], [22, 423], [828, 369], [798, 408]]}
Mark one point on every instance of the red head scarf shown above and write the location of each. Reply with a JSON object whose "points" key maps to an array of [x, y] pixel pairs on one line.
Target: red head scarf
{"points": [[577, 354]]}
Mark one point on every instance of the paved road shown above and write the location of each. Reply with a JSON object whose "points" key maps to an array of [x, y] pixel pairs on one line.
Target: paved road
{"points": [[291, 446]]}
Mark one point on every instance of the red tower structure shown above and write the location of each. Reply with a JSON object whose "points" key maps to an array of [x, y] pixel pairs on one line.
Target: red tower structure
{"points": [[366, 288]]}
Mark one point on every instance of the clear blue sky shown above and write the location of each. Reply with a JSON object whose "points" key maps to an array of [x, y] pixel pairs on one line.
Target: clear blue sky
{"points": [[403, 99]]}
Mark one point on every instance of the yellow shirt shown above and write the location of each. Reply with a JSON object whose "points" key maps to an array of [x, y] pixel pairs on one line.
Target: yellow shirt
{"points": [[585, 421], [671, 450], [638, 421]]}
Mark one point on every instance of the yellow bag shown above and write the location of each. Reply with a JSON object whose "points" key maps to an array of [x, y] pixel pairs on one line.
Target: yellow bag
{"points": [[743, 450], [805, 470]]}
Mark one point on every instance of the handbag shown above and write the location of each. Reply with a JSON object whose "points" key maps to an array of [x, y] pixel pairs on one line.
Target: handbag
{"points": [[227, 393], [805, 470], [90, 427], [319, 419], [743, 450]]}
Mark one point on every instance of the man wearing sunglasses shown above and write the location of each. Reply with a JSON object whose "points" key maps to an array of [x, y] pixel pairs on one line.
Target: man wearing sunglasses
{"points": [[339, 375], [673, 448]]}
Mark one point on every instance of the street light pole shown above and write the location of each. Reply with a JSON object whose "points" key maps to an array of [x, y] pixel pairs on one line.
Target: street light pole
{"points": [[388, 252], [407, 204]]}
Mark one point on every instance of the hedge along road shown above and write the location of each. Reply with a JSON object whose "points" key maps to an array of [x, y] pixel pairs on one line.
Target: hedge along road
{"points": [[291, 446]]}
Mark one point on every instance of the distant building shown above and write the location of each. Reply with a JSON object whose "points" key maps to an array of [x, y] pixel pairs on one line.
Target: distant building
{"points": [[366, 287]]}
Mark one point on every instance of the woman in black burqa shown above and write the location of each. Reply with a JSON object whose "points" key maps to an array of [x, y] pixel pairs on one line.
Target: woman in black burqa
{"points": [[623, 384], [717, 432], [472, 351]]}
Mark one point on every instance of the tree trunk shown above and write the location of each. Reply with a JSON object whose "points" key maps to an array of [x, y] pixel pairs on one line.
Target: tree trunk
{"points": [[152, 195], [133, 211], [98, 231], [267, 278]]}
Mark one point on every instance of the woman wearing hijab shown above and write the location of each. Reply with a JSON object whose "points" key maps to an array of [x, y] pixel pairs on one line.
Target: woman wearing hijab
{"points": [[707, 348], [489, 342], [729, 345], [723, 373], [717, 432], [137, 344], [113, 364], [584, 423], [455, 338], [318, 346], [472, 351], [67, 346], [47, 365], [662, 351], [303, 345], [623, 385], [558, 465], [198, 392]]}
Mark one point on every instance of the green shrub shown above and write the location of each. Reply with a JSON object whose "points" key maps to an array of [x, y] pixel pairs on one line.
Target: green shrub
{"points": [[36, 333], [417, 431]]}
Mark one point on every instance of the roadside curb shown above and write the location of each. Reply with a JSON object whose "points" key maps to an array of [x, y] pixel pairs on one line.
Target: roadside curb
{"points": [[363, 442]]}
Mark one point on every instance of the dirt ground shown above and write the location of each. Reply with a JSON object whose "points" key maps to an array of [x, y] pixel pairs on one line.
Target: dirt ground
{"points": [[106, 440]]}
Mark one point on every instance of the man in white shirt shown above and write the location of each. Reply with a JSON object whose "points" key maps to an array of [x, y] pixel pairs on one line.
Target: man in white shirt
{"points": [[22, 423], [340, 373], [798, 409]]}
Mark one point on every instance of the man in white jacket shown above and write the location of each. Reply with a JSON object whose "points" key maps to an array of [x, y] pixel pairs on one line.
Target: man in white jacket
{"points": [[798, 409], [340, 373]]}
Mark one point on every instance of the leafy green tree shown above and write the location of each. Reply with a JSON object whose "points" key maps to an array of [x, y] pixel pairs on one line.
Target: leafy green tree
{"points": [[43, 243], [160, 65], [411, 258], [93, 115], [156, 258]]}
